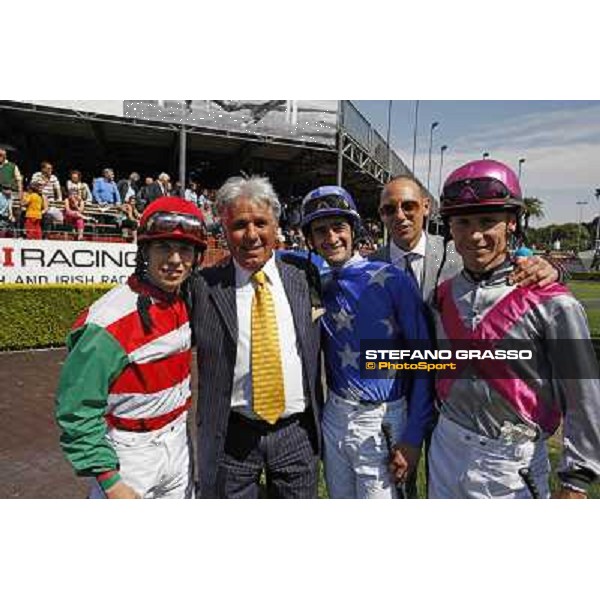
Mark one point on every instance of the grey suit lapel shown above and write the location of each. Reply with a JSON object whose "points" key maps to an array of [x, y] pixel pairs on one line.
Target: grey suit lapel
{"points": [[433, 255], [223, 295]]}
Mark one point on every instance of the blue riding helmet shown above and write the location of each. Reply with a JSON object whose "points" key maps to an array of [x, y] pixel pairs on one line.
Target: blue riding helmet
{"points": [[327, 201]]}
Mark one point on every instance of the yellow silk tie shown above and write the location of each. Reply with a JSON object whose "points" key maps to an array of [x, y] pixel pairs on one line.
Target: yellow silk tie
{"points": [[268, 395]]}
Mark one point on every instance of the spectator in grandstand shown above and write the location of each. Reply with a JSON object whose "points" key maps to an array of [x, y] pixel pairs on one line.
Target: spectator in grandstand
{"points": [[73, 211], [35, 205], [7, 219], [131, 218], [159, 188], [142, 196], [74, 183], [124, 390], [298, 238], [365, 246], [105, 189], [203, 201], [129, 187], [496, 416], [294, 213], [191, 193], [11, 180], [49, 186], [177, 190], [259, 384]]}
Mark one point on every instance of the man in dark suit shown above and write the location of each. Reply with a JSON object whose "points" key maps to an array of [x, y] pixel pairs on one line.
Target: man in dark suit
{"points": [[159, 188], [259, 390]]}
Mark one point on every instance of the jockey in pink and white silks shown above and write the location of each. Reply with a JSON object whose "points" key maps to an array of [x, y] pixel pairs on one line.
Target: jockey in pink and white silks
{"points": [[496, 415]]}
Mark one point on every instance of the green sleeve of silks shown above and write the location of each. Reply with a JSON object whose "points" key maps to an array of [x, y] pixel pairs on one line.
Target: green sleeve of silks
{"points": [[95, 359]]}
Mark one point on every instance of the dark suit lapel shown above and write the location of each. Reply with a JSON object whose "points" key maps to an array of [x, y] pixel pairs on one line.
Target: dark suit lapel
{"points": [[222, 293], [387, 252], [298, 299]]}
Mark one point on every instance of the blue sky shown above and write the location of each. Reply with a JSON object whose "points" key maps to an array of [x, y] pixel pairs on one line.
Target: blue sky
{"points": [[560, 141]]}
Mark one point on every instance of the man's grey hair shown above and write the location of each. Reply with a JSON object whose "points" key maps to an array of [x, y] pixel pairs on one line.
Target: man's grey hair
{"points": [[164, 177], [255, 188]]}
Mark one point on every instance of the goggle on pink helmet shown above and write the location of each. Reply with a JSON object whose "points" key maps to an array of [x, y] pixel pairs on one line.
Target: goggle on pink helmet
{"points": [[481, 185]]}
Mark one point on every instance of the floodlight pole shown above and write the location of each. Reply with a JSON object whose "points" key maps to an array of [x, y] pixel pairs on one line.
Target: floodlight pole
{"points": [[185, 110], [596, 259], [389, 132], [581, 204], [442, 150], [414, 154], [432, 127], [340, 140]]}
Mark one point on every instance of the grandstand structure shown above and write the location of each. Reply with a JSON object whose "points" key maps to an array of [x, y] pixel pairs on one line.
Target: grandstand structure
{"points": [[298, 144]]}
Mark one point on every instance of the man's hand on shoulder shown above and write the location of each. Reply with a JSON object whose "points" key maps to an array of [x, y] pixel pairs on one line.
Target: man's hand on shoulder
{"points": [[533, 271]]}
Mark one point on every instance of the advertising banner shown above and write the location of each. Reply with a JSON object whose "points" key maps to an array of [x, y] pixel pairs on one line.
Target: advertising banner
{"points": [[52, 262], [305, 120], [102, 107]]}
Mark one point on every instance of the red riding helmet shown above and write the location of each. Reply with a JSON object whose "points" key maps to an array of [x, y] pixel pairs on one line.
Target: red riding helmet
{"points": [[172, 218]]}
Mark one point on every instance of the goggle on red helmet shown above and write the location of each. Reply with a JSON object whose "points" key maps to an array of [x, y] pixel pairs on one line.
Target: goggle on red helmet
{"points": [[170, 218]]}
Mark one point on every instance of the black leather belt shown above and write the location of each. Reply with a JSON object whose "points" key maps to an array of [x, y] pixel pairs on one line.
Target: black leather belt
{"points": [[237, 418]]}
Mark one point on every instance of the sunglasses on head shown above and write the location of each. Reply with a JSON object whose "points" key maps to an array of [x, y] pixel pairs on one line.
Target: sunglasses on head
{"points": [[325, 202], [168, 222], [475, 189]]}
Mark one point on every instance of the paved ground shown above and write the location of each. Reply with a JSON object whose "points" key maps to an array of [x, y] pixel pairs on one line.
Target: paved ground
{"points": [[31, 462]]}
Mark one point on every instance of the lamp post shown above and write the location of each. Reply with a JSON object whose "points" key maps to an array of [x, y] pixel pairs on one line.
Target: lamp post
{"points": [[433, 126], [581, 204], [486, 155], [389, 150], [521, 161], [597, 194], [596, 260], [442, 150], [415, 136], [185, 111]]}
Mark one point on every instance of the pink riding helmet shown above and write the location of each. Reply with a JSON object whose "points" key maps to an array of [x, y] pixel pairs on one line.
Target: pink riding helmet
{"points": [[481, 184]]}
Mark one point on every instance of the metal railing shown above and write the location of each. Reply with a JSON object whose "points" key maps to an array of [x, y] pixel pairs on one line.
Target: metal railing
{"points": [[354, 124]]}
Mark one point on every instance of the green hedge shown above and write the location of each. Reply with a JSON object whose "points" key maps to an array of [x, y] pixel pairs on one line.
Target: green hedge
{"points": [[40, 316]]}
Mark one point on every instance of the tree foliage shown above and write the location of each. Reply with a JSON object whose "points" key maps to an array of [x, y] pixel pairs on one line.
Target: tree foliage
{"points": [[572, 236], [534, 209]]}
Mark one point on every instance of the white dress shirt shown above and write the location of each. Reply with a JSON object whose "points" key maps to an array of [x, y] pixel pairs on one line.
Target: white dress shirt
{"points": [[417, 257], [241, 396]]}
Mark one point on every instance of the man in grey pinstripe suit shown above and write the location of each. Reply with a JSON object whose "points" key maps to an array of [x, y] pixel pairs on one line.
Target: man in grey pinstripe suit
{"points": [[235, 445]]}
